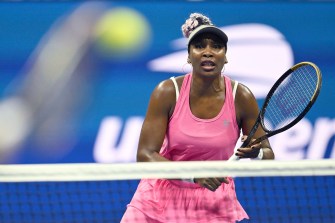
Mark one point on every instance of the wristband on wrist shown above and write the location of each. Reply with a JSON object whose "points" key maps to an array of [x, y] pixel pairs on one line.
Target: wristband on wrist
{"points": [[260, 155]]}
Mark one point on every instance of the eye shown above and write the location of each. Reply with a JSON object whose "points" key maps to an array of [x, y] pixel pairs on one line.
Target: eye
{"points": [[217, 46], [198, 45]]}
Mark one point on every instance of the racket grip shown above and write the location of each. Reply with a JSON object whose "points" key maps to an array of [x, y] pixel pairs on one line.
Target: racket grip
{"points": [[246, 142], [234, 158]]}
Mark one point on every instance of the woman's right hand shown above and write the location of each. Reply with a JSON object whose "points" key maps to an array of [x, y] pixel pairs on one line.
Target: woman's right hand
{"points": [[211, 183]]}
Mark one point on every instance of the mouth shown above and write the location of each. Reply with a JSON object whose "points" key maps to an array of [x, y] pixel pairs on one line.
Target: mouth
{"points": [[207, 65]]}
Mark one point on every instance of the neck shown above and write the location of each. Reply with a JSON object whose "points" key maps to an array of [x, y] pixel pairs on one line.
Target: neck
{"points": [[207, 85]]}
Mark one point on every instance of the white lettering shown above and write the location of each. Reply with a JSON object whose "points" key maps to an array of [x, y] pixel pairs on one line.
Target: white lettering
{"points": [[289, 145], [114, 145], [324, 131], [106, 149]]}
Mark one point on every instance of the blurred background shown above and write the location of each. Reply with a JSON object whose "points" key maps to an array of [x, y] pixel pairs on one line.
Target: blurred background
{"points": [[76, 76]]}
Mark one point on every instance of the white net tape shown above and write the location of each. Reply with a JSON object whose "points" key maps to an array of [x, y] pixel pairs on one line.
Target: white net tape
{"points": [[167, 170]]}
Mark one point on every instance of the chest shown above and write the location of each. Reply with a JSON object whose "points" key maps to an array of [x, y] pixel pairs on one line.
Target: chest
{"points": [[206, 107]]}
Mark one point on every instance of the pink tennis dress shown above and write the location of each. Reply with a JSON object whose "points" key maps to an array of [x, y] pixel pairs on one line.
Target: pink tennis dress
{"points": [[190, 138]]}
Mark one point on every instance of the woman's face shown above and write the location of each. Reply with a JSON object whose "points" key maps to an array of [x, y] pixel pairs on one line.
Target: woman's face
{"points": [[207, 54]]}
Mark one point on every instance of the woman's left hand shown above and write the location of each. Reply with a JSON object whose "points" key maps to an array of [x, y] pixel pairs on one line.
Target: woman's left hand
{"points": [[249, 152]]}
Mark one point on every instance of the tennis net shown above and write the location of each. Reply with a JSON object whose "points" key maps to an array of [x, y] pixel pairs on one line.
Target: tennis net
{"points": [[269, 191]]}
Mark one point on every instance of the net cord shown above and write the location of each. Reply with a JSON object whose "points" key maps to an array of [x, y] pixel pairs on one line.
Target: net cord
{"points": [[167, 170]]}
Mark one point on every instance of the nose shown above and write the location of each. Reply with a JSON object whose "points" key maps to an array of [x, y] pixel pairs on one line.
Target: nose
{"points": [[207, 52]]}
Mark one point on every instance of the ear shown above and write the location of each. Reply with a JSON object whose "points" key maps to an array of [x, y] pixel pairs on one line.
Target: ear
{"points": [[225, 60], [188, 60]]}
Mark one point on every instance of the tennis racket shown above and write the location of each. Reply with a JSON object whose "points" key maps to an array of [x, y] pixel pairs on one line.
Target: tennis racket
{"points": [[287, 102]]}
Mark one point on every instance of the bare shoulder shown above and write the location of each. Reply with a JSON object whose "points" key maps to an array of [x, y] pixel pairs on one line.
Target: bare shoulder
{"points": [[166, 91], [244, 94], [166, 87], [245, 103]]}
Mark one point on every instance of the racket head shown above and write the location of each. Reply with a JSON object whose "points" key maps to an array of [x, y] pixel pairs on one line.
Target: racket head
{"points": [[290, 98]]}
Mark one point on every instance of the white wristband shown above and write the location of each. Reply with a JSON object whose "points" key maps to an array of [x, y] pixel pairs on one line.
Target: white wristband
{"points": [[260, 155]]}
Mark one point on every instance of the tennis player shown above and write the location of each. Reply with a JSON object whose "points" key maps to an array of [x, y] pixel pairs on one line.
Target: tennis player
{"points": [[197, 116]]}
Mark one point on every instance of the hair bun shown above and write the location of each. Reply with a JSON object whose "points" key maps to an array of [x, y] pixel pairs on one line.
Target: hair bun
{"points": [[195, 20]]}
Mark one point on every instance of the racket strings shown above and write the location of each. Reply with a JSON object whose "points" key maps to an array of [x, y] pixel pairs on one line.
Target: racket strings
{"points": [[291, 97]]}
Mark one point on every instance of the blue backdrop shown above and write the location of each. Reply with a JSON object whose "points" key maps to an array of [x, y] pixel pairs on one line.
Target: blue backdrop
{"points": [[97, 117]]}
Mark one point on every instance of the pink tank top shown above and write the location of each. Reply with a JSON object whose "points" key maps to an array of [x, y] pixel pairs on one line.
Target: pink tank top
{"points": [[190, 138]]}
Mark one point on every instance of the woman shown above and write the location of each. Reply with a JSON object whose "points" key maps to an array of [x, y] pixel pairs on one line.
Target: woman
{"points": [[197, 116]]}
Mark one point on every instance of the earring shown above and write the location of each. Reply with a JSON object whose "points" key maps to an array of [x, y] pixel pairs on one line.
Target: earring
{"points": [[186, 69]]}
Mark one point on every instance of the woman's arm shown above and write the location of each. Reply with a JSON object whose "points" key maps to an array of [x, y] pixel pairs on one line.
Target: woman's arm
{"points": [[155, 123], [247, 112]]}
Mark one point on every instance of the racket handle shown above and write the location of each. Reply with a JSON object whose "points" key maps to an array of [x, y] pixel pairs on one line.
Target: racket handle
{"points": [[245, 144], [234, 158]]}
